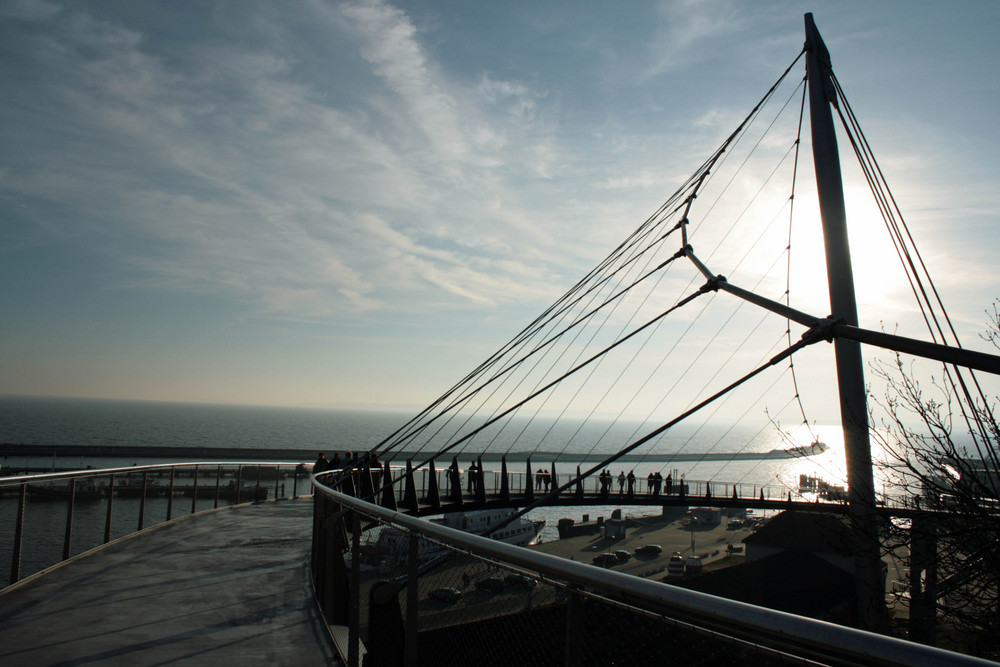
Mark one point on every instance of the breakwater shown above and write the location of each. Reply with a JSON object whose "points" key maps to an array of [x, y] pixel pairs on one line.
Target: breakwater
{"points": [[182, 453]]}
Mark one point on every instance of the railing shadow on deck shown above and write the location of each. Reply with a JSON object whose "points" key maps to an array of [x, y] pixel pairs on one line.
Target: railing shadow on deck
{"points": [[107, 504]]}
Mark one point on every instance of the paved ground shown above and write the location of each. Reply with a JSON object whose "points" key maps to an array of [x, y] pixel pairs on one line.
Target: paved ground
{"points": [[230, 587], [671, 533]]}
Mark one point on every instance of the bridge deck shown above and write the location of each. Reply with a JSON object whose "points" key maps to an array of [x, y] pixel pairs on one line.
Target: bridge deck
{"points": [[229, 587]]}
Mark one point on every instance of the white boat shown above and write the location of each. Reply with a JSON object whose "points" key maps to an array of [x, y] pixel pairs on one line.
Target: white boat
{"points": [[520, 532]]}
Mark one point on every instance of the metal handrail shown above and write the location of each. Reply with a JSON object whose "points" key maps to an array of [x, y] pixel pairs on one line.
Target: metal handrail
{"points": [[805, 637], [104, 472], [21, 483]]}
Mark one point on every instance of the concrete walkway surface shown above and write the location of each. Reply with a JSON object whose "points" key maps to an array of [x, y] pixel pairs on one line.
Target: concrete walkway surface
{"points": [[224, 588]]}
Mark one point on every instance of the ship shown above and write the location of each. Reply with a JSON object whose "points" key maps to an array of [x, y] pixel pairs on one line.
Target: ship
{"points": [[521, 532]]}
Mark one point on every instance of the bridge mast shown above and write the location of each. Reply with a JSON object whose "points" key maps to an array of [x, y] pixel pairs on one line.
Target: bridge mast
{"points": [[850, 370]]}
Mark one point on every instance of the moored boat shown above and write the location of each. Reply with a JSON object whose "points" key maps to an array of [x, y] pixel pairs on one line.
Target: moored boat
{"points": [[521, 532]]}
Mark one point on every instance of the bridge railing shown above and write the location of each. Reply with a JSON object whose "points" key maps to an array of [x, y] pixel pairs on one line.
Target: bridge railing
{"points": [[409, 591], [433, 486], [102, 505]]}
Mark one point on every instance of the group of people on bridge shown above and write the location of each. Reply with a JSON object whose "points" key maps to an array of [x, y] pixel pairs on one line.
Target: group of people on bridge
{"points": [[350, 460], [654, 483], [323, 464]]}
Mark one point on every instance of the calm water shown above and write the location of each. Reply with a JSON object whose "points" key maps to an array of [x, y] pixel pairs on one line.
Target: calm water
{"points": [[140, 424], [145, 424], [137, 424]]}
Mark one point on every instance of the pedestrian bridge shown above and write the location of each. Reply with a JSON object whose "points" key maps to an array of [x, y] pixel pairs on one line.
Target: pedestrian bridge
{"points": [[241, 584], [431, 490]]}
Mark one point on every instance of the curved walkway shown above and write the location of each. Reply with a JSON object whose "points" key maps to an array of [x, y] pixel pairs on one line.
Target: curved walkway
{"points": [[228, 587]]}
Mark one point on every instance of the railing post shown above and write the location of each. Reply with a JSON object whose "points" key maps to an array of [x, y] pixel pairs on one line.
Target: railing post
{"points": [[504, 481], [923, 581], [388, 490], [455, 478], [345, 484], [194, 492], [386, 631], [218, 485], [433, 497], [69, 519], [170, 496], [277, 480], [574, 627], [111, 504], [331, 574], [412, 601], [256, 491], [410, 492], [529, 487], [480, 481], [317, 538], [15, 562], [366, 483], [354, 623], [239, 483], [142, 499], [295, 483]]}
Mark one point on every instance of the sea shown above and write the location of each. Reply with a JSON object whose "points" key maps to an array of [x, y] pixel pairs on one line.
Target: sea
{"points": [[136, 426]]}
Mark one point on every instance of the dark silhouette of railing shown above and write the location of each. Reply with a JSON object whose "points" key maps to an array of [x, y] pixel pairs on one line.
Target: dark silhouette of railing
{"points": [[431, 490], [640, 621]]}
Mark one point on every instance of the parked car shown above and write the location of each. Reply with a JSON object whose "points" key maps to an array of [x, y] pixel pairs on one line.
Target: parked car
{"points": [[519, 581], [621, 555], [605, 560], [649, 550], [445, 595], [490, 584]]}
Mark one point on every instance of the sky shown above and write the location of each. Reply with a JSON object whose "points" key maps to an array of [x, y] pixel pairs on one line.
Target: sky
{"points": [[351, 204]]}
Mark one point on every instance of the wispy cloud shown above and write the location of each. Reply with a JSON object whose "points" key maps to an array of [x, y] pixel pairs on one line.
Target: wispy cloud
{"points": [[229, 170], [687, 32]]}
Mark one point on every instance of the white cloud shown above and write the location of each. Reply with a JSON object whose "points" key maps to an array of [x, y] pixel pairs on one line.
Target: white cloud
{"points": [[687, 31], [395, 55], [248, 180]]}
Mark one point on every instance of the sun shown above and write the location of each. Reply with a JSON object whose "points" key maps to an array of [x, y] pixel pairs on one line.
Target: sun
{"points": [[880, 283]]}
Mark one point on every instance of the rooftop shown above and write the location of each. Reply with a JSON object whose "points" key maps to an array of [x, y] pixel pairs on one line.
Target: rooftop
{"points": [[805, 531]]}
